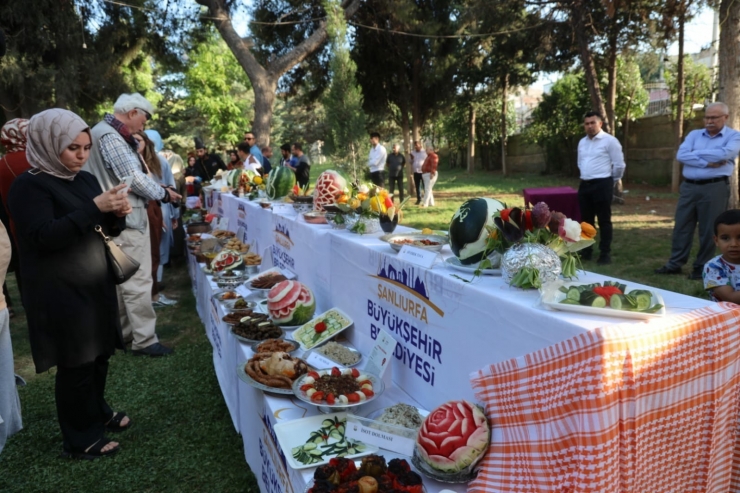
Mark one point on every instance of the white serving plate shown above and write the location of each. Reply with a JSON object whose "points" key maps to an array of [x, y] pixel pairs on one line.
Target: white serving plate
{"points": [[296, 432], [350, 348], [378, 388], [454, 263], [551, 297], [392, 238], [324, 336]]}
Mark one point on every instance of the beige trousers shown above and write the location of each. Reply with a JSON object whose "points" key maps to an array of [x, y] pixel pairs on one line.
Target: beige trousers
{"points": [[135, 295], [429, 182]]}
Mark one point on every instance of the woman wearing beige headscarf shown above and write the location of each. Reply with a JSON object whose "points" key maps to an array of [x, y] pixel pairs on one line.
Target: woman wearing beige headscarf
{"points": [[68, 288]]}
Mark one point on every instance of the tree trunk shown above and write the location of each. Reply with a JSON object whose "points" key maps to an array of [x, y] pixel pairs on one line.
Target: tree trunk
{"points": [[729, 74], [678, 123], [407, 146], [416, 98], [471, 138], [578, 14], [611, 90], [504, 131], [267, 77]]}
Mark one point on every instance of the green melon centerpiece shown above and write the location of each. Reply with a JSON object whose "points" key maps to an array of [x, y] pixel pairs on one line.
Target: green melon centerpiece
{"points": [[279, 183], [468, 233]]}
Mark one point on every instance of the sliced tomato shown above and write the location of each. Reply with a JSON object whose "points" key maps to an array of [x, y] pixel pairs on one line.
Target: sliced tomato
{"points": [[353, 397], [336, 372], [317, 396], [307, 386], [367, 392], [330, 399], [314, 375], [355, 372], [365, 382]]}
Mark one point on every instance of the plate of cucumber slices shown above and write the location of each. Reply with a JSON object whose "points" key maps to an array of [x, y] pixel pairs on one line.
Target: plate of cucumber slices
{"points": [[609, 299]]}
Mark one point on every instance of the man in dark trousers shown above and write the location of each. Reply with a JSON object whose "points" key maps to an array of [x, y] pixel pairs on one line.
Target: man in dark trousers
{"points": [[395, 163], [601, 163]]}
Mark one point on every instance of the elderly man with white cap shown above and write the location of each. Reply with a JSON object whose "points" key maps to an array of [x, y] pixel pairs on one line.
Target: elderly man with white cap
{"points": [[114, 159]]}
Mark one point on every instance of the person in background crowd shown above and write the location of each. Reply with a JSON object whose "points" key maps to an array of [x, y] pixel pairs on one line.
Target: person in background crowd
{"points": [[113, 158], [10, 404], [233, 160], [13, 138], [178, 235], [193, 177], [195, 169], [209, 164], [302, 167], [708, 158], [266, 155], [418, 156], [254, 148], [429, 175], [601, 163], [286, 158], [376, 160], [250, 161], [161, 240], [69, 289], [395, 163]]}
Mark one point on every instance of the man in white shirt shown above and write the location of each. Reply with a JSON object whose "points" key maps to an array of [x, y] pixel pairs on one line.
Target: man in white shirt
{"points": [[418, 156], [376, 161], [601, 163], [250, 161]]}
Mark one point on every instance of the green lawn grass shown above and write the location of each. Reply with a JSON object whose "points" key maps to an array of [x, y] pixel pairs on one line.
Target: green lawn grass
{"points": [[183, 438]]}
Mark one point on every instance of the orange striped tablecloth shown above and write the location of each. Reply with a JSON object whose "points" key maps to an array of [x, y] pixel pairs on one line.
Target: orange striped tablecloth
{"points": [[644, 407]]}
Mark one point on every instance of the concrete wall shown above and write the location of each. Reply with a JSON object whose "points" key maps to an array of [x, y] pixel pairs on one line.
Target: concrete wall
{"points": [[650, 150]]}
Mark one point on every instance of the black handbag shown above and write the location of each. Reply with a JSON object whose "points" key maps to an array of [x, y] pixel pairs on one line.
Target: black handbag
{"points": [[123, 266]]}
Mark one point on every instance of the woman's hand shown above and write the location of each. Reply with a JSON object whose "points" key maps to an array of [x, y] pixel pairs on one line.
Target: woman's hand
{"points": [[112, 200]]}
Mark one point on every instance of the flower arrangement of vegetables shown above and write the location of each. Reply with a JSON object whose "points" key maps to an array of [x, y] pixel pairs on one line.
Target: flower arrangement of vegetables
{"points": [[539, 225], [366, 201]]}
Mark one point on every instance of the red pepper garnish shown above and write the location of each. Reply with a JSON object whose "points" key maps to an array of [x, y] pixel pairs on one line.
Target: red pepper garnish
{"points": [[607, 291], [528, 220], [505, 215], [320, 327]]}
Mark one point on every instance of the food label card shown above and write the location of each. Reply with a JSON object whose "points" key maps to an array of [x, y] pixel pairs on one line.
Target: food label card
{"points": [[320, 361], [381, 354], [243, 291], [383, 437], [418, 256]]}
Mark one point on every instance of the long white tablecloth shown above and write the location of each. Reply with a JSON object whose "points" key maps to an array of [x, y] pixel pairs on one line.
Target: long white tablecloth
{"points": [[445, 328]]}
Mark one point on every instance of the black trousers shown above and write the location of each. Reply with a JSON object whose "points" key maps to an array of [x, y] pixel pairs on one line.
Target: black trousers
{"points": [[418, 182], [595, 202], [378, 178], [396, 180], [81, 407]]}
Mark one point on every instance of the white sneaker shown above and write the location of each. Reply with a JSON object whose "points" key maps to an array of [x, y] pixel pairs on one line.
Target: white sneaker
{"points": [[163, 300]]}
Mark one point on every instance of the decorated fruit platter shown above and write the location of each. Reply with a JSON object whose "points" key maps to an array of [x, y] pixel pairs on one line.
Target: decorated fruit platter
{"points": [[431, 242], [314, 441], [322, 328], [333, 389], [609, 299], [372, 474], [226, 260], [290, 303]]}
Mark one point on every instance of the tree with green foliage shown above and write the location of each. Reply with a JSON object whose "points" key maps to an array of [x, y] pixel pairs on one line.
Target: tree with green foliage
{"points": [[219, 89], [293, 31], [697, 86]]}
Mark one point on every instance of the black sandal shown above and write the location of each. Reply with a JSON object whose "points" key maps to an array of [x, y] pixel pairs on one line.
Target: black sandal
{"points": [[114, 424], [94, 452]]}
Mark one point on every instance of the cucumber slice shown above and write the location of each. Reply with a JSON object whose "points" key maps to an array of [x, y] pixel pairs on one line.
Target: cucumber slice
{"points": [[563, 289], [643, 297], [589, 298], [568, 301], [622, 302], [573, 294], [653, 309]]}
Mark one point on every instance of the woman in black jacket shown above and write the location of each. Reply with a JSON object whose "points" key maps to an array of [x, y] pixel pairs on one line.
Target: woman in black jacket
{"points": [[68, 287]]}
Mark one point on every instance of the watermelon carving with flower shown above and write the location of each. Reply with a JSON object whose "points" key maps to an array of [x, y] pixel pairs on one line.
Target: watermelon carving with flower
{"points": [[329, 186]]}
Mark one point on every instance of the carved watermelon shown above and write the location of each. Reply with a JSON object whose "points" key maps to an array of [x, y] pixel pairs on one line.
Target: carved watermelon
{"points": [[468, 233], [280, 182], [238, 177], [291, 303], [329, 186], [454, 437]]}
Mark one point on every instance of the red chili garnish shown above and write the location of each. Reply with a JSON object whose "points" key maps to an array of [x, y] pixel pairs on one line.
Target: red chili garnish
{"points": [[607, 291], [320, 327]]}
